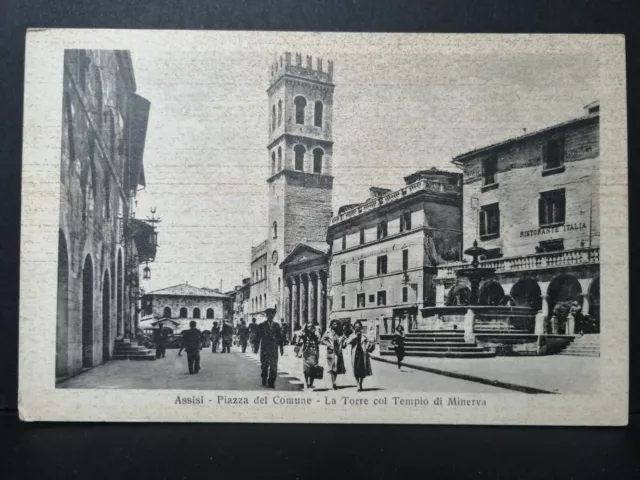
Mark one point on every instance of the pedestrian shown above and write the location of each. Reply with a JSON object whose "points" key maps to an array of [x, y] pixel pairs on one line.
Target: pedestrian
{"points": [[192, 343], [360, 349], [398, 343], [335, 341], [227, 335], [215, 337], [317, 328], [308, 342], [385, 320], [297, 330], [164, 341], [270, 341], [253, 335], [243, 335], [157, 340], [284, 327]]}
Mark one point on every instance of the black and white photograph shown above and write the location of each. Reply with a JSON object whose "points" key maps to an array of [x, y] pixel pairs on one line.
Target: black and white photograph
{"points": [[391, 221]]}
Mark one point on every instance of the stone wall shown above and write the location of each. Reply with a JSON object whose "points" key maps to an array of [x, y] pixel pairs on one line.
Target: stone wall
{"points": [[175, 303]]}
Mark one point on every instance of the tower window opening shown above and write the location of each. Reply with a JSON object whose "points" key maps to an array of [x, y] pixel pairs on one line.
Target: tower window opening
{"points": [[275, 229], [299, 151], [300, 103], [279, 158], [273, 163], [317, 117], [273, 118], [279, 112], [317, 160]]}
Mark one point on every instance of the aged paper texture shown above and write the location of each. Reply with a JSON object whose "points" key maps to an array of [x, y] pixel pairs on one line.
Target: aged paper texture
{"points": [[315, 227]]}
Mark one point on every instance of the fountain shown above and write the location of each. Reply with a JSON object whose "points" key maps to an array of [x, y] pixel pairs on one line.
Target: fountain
{"points": [[476, 273]]}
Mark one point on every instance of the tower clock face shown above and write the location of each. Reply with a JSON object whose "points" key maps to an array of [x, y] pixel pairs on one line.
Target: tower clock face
{"points": [[274, 257]]}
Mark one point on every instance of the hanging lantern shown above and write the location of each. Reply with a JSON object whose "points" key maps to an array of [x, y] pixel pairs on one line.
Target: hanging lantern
{"points": [[153, 238], [146, 273]]}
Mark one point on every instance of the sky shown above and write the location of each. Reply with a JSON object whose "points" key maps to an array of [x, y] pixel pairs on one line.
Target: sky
{"points": [[206, 160]]}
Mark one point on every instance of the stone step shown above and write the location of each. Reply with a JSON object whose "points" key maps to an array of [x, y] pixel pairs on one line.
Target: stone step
{"points": [[580, 354], [481, 354], [434, 338], [435, 343], [130, 357], [470, 348]]}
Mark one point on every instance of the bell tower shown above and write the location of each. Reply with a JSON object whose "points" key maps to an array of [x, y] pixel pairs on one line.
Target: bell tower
{"points": [[300, 154]]}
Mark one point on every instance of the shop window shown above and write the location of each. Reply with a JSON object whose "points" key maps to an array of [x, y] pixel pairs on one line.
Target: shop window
{"points": [[360, 300], [382, 298], [382, 265], [553, 156], [489, 221], [551, 207]]}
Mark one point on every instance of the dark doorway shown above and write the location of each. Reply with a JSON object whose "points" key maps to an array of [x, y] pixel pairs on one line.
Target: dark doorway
{"points": [[62, 321], [526, 293], [106, 317], [564, 288], [491, 294], [87, 313]]}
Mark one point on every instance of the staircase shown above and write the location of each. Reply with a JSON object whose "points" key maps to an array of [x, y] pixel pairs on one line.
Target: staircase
{"points": [[125, 349], [583, 346], [438, 343]]}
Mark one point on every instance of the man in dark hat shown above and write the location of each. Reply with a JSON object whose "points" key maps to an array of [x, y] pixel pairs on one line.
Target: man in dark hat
{"points": [[270, 341], [192, 342]]}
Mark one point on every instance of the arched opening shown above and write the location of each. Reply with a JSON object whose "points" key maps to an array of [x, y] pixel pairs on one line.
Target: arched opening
{"points": [[526, 293], [209, 312], [279, 158], [87, 313], [196, 312], [106, 316], [594, 306], [275, 229], [119, 295], [300, 104], [62, 320], [318, 153], [317, 117], [299, 151], [459, 295], [273, 117], [564, 288], [183, 312], [71, 139], [167, 312], [491, 294], [273, 163], [279, 112]]}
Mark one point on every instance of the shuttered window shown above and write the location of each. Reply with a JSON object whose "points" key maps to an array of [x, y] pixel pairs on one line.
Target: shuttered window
{"points": [[551, 207], [489, 220]]}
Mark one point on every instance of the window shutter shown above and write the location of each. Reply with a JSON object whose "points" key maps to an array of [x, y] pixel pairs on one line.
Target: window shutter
{"points": [[497, 219], [561, 205], [541, 211], [483, 222], [560, 152], [543, 154]]}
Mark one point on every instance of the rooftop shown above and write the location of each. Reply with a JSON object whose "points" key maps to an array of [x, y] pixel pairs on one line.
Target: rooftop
{"points": [[186, 290]]}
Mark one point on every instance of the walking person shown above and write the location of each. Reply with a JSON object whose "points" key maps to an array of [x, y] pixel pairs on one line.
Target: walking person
{"points": [[284, 327], [215, 337], [227, 335], [335, 341], [270, 341], [164, 341], [243, 335], [309, 346], [192, 342], [398, 343], [253, 335], [157, 340], [360, 349]]}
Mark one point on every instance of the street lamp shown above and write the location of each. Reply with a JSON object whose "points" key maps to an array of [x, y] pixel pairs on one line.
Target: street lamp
{"points": [[146, 273]]}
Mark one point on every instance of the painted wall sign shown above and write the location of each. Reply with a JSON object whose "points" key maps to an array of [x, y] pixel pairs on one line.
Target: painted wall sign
{"points": [[569, 227]]}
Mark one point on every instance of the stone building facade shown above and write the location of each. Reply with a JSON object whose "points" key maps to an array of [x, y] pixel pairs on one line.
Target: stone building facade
{"points": [[385, 251], [186, 301], [533, 203], [300, 181], [104, 126]]}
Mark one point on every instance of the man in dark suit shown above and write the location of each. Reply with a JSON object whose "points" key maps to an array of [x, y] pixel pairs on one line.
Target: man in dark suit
{"points": [[270, 338], [192, 343]]}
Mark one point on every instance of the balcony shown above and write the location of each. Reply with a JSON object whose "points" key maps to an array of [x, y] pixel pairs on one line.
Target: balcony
{"points": [[426, 186], [537, 261]]}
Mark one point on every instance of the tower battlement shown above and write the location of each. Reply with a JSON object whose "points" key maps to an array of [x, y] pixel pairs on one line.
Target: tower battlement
{"points": [[301, 66]]}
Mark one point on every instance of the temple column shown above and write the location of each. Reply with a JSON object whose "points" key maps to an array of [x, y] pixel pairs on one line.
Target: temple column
{"points": [[287, 304], [294, 301], [320, 301], [303, 300], [313, 309]]}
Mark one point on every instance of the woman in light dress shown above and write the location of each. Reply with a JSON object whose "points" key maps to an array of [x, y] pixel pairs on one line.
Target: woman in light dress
{"points": [[360, 349], [308, 343], [335, 342]]}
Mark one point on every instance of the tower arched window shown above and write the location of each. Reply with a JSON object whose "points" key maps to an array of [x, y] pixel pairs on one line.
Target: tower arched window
{"points": [[196, 312], [183, 312], [279, 112], [273, 118], [317, 160], [300, 104], [299, 151], [209, 312], [273, 163], [317, 114], [275, 229], [279, 158]]}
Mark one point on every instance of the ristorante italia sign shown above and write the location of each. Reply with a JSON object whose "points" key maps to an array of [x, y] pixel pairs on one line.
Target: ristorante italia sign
{"points": [[568, 227]]}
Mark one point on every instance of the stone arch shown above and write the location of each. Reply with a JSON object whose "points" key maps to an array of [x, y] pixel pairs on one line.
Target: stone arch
{"points": [[87, 312], [106, 316], [526, 292], [279, 158], [273, 162], [166, 312], [62, 317], [183, 312], [279, 112], [210, 314], [196, 312], [491, 293], [299, 153], [300, 104], [563, 288], [459, 295], [318, 155], [273, 117]]}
